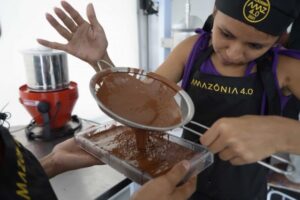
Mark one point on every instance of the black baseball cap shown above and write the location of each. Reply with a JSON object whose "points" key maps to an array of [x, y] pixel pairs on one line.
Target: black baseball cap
{"points": [[269, 16]]}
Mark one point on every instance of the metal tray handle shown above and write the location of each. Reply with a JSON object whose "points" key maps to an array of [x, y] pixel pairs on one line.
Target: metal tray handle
{"points": [[290, 169]]}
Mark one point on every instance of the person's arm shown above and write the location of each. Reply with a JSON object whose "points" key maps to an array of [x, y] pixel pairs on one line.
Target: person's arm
{"points": [[67, 156], [247, 139], [165, 186], [172, 68], [86, 40]]}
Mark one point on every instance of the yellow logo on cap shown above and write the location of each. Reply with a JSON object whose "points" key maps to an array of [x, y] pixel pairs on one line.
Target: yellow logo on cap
{"points": [[255, 11]]}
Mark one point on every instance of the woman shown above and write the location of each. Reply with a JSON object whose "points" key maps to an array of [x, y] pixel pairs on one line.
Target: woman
{"points": [[236, 70]]}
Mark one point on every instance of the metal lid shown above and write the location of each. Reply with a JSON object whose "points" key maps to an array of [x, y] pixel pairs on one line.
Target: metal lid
{"points": [[42, 51]]}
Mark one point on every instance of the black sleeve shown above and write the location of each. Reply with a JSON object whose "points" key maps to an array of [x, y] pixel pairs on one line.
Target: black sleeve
{"points": [[22, 176]]}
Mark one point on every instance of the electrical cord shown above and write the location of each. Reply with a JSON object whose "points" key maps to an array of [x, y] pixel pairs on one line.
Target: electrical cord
{"points": [[4, 116]]}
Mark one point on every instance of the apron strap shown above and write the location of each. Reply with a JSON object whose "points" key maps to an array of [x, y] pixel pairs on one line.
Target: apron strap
{"points": [[201, 58], [272, 100]]}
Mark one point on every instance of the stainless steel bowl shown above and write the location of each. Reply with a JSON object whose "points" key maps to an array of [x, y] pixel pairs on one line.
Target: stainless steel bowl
{"points": [[46, 69], [181, 98]]}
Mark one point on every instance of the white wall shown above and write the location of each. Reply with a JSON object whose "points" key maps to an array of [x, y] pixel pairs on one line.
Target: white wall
{"points": [[23, 21], [199, 8]]}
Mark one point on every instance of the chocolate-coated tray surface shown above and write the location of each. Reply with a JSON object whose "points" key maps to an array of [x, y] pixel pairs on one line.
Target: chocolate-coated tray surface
{"points": [[142, 155]]}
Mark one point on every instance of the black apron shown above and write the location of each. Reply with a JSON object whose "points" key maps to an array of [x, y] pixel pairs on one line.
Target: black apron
{"points": [[22, 176], [215, 97]]}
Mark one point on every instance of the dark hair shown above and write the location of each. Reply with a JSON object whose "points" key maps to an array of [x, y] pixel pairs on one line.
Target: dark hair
{"points": [[208, 25]]}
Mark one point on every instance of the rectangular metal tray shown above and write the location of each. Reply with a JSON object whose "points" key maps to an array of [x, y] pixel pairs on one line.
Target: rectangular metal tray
{"points": [[94, 141]]}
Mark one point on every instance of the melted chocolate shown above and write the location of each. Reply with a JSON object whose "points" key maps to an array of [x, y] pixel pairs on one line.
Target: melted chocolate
{"points": [[146, 101], [141, 138], [155, 156]]}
